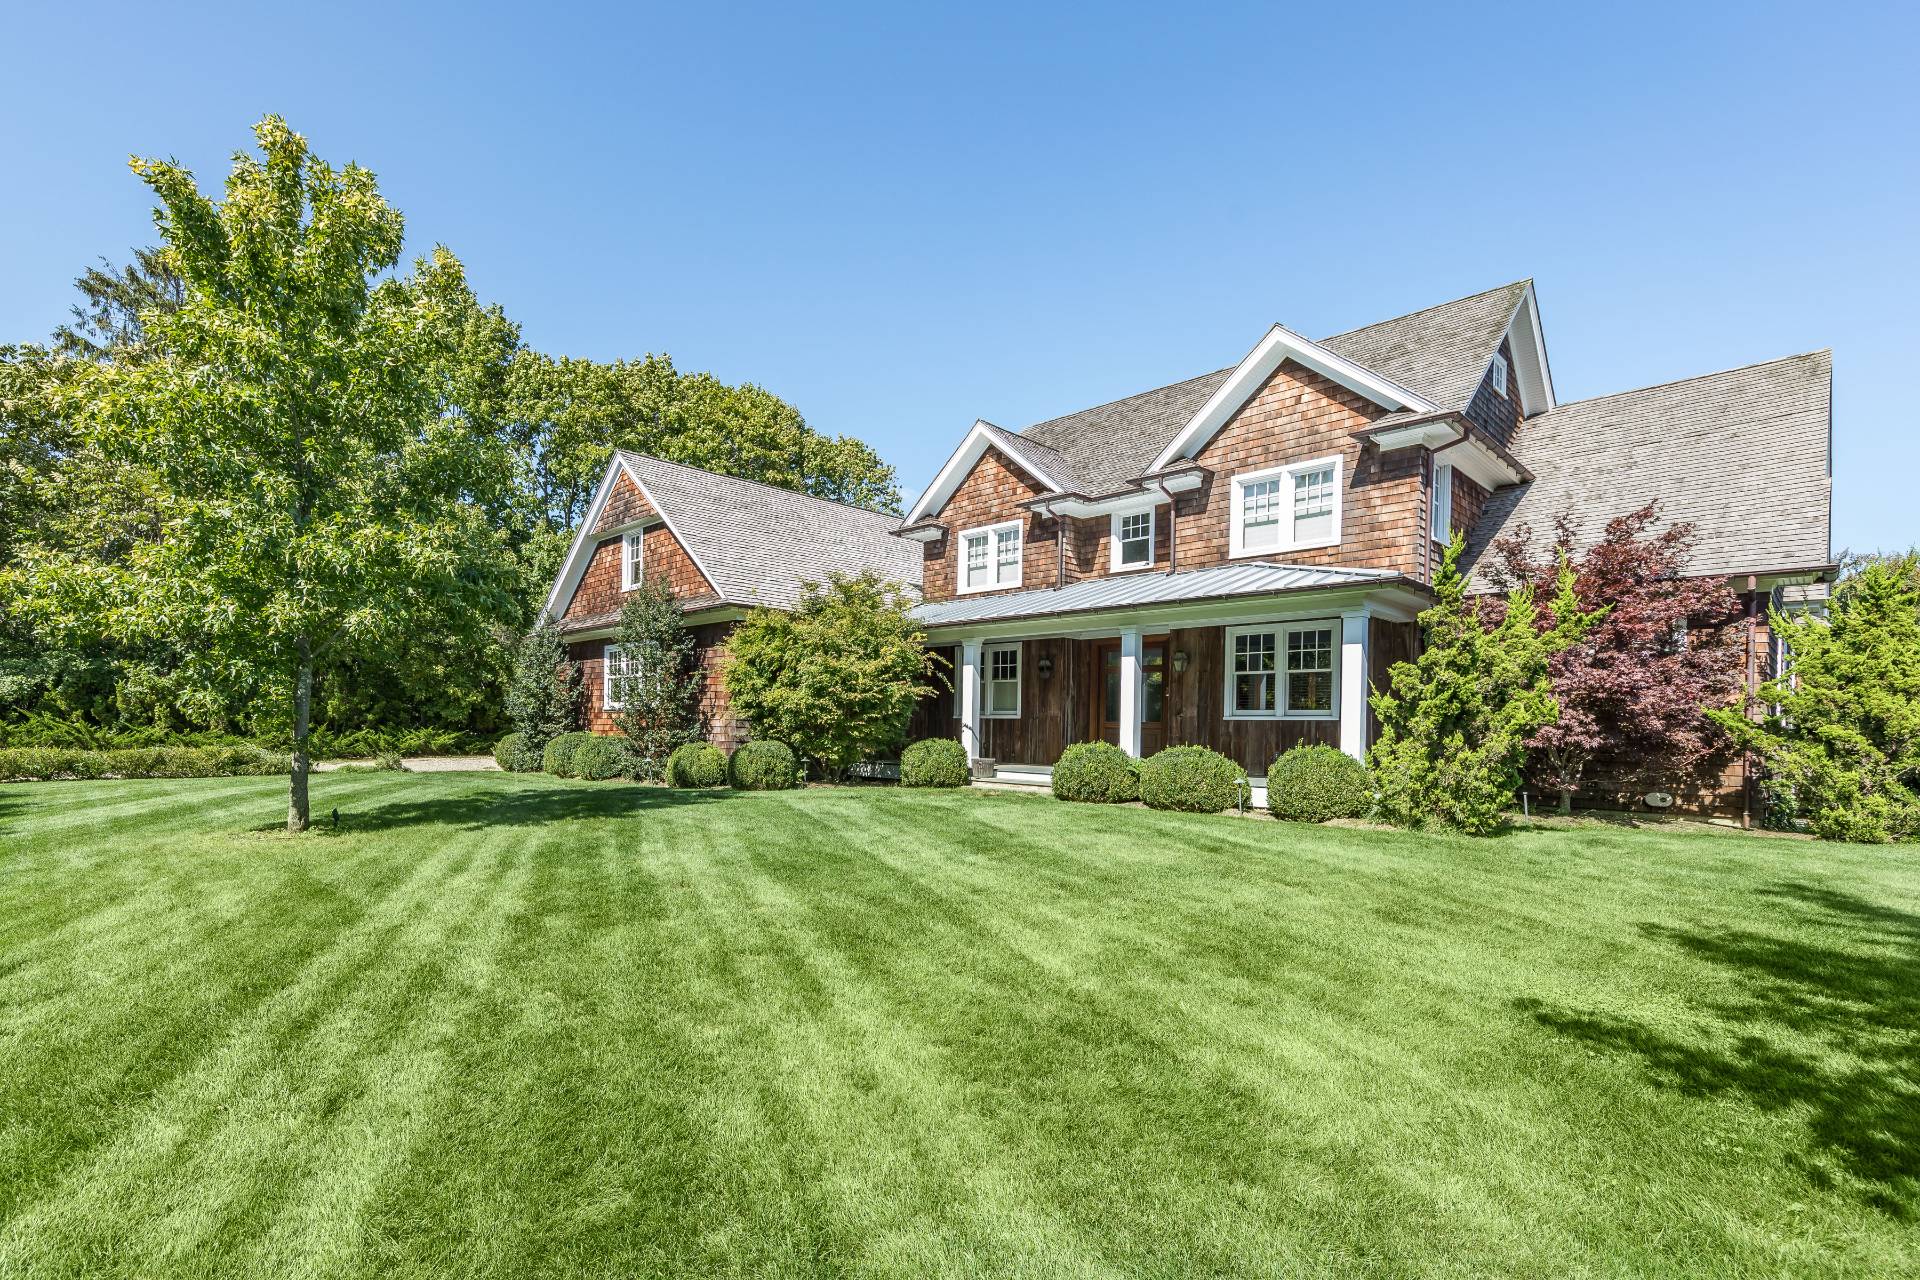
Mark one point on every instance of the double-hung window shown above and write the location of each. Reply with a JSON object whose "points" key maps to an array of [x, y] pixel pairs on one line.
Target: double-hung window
{"points": [[1002, 687], [1132, 540], [633, 559], [618, 673], [1282, 671], [1290, 508], [990, 557]]}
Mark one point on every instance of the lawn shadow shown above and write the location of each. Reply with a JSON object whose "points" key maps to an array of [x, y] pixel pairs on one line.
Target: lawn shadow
{"points": [[1851, 1056], [506, 808]]}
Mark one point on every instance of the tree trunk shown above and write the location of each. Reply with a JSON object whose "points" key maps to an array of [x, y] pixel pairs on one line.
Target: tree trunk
{"points": [[1566, 801], [297, 813]]}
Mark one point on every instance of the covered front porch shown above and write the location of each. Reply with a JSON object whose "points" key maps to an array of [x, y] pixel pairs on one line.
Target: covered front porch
{"points": [[1248, 660]]}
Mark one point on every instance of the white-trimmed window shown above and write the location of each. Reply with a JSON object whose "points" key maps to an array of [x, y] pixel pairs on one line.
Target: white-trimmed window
{"points": [[617, 672], [1001, 688], [1290, 508], [1132, 539], [1442, 530], [1287, 671], [633, 554], [1499, 373], [990, 557]]}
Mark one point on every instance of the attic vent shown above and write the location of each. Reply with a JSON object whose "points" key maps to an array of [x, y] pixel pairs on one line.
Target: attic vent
{"points": [[1500, 373]]}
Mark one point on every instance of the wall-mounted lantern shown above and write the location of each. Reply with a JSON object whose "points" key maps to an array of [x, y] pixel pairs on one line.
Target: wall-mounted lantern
{"points": [[1045, 666], [1179, 660]]}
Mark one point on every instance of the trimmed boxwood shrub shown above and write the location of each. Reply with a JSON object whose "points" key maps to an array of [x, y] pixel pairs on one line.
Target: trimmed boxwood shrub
{"points": [[934, 762], [1315, 783], [508, 751], [1096, 773], [763, 765], [599, 757], [1191, 780], [697, 764], [557, 759]]}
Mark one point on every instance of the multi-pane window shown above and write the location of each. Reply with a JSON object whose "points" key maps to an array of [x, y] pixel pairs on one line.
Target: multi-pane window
{"points": [[1287, 508], [618, 673], [632, 559], [990, 557], [1133, 540], [1281, 670], [1003, 680]]}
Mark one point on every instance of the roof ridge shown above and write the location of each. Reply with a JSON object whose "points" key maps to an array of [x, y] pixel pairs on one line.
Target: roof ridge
{"points": [[1108, 404], [1453, 302], [1697, 377], [781, 489]]}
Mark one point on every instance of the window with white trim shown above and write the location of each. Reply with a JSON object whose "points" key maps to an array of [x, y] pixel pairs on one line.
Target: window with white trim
{"points": [[1499, 373], [1132, 539], [633, 550], [990, 557], [1001, 688], [1442, 529], [1279, 671], [617, 674], [1288, 508]]}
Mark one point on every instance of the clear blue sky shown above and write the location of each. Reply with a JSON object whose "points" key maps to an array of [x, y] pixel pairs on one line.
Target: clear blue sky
{"points": [[901, 219]]}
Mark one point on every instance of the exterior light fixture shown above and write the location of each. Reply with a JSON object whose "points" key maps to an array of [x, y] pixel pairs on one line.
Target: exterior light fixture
{"points": [[1179, 660], [1044, 666]]}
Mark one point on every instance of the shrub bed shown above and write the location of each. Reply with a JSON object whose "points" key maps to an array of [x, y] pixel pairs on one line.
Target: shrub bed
{"points": [[934, 762], [1191, 780], [763, 765], [557, 759], [697, 764], [50, 763], [1315, 783], [1096, 773], [599, 757]]}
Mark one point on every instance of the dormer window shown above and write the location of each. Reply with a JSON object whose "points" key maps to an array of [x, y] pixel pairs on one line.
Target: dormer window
{"points": [[633, 559], [1282, 509], [1499, 373], [990, 557], [1132, 540]]}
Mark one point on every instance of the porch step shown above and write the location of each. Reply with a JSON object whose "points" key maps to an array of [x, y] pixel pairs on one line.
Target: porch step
{"points": [[1016, 777]]}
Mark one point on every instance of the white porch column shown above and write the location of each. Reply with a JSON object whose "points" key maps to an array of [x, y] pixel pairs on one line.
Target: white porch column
{"points": [[1355, 649], [970, 699], [1130, 698]]}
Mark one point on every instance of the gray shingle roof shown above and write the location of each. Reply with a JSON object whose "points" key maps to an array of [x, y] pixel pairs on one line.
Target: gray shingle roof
{"points": [[758, 544], [1743, 455], [1440, 353], [1254, 578]]}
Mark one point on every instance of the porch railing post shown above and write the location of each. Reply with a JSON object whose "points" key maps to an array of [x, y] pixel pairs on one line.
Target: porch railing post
{"points": [[970, 699], [1130, 698], [1355, 650]]}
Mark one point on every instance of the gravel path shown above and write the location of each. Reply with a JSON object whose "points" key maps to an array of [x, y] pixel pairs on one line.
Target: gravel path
{"points": [[424, 764]]}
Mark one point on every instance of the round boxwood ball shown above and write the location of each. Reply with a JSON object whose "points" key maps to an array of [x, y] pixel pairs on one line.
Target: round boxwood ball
{"points": [[1191, 780], [1096, 773], [1313, 784], [763, 765], [697, 764], [934, 762]]}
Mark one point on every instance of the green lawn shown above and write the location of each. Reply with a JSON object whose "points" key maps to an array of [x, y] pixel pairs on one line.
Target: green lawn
{"points": [[508, 1026]]}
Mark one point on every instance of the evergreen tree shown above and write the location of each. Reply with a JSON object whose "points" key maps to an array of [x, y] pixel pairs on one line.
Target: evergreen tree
{"points": [[543, 693], [659, 694]]}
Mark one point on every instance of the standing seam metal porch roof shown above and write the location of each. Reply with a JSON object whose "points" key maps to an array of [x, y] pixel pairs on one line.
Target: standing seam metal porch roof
{"points": [[1254, 578]]}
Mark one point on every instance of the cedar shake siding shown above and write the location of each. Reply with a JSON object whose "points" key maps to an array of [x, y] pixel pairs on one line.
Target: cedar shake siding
{"points": [[717, 722], [992, 494], [599, 592], [1497, 415]]}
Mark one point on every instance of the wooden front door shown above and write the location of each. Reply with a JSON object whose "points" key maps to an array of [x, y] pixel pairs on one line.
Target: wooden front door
{"points": [[1153, 701]]}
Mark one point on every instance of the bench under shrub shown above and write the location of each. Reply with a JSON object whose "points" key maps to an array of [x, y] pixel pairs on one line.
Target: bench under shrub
{"points": [[934, 762], [1317, 783], [697, 764], [1191, 780], [763, 765], [1096, 773]]}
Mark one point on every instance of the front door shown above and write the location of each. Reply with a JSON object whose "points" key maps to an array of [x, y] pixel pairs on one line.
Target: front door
{"points": [[1153, 702]]}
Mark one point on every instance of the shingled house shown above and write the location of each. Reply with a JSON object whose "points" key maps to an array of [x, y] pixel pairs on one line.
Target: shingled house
{"points": [[1232, 560]]}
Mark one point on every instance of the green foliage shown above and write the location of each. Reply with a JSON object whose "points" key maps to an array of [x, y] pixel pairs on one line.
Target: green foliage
{"points": [[763, 765], [510, 753], [934, 762], [1316, 783], [543, 691], [51, 763], [697, 764], [659, 702], [1192, 780], [389, 762], [1454, 724], [598, 757], [1843, 735], [838, 677], [1097, 773], [38, 729], [557, 757]]}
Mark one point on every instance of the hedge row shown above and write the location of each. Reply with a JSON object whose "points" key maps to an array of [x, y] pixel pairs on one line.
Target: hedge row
{"points": [[51, 763], [1304, 784], [760, 765], [41, 730]]}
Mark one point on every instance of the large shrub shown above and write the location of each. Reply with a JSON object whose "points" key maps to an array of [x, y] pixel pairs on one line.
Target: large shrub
{"points": [[51, 763], [1315, 783], [1191, 780], [837, 677], [763, 765], [1097, 773], [934, 762], [557, 759], [599, 757], [657, 684], [697, 764], [543, 694], [510, 752]]}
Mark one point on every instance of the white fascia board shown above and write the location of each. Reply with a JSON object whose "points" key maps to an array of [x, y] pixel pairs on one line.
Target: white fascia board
{"points": [[579, 551], [980, 437], [1281, 344], [1431, 434], [1395, 600], [1480, 464], [1530, 345], [921, 535], [1085, 508]]}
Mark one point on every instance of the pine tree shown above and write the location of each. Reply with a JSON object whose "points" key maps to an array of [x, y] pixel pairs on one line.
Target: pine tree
{"points": [[543, 695], [659, 697]]}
